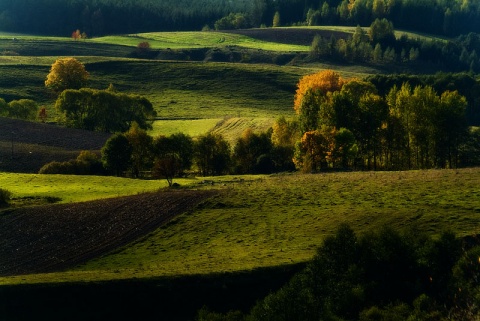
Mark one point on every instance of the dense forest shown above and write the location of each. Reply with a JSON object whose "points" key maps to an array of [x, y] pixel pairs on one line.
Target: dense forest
{"points": [[99, 17]]}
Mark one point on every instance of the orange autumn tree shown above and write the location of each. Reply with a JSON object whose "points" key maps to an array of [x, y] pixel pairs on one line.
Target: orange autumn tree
{"points": [[314, 92], [324, 81], [66, 73]]}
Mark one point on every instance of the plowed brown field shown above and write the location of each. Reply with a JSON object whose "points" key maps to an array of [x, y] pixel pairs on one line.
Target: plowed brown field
{"points": [[26, 146], [56, 237]]}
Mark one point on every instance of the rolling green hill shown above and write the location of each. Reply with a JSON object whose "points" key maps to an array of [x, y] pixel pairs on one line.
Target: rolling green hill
{"points": [[262, 221]]}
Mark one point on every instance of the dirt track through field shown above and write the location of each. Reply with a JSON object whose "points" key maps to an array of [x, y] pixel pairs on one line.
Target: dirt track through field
{"points": [[56, 237]]}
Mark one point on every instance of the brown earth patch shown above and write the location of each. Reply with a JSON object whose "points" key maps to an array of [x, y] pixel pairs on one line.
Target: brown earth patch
{"points": [[56, 237], [26, 146]]}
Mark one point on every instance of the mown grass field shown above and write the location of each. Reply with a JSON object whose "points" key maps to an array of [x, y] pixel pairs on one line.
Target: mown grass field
{"points": [[261, 221]]}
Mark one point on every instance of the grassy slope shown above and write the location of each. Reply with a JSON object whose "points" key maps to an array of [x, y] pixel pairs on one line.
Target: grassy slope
{"points": [[199, 90], [177, 89], [264, 221]]}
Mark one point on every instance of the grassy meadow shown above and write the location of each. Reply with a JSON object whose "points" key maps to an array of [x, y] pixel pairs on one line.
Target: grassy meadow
{"points": [[261, 221], [197, 39]]}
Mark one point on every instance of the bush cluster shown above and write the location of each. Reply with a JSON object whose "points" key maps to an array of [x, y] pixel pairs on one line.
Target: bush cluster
{"points": [[5, 196]]}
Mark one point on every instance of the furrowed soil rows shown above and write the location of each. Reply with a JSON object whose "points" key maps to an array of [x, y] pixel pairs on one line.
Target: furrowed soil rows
{"points": [[26, 146], [55, 237]]}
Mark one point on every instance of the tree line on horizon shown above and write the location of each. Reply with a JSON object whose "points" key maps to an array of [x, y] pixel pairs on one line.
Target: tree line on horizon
{"points": [[100, 17], [379, 45]]}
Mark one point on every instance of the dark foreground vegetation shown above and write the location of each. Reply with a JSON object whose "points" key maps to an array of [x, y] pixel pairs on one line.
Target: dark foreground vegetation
{"points": [[174, 299], [384, 275]]}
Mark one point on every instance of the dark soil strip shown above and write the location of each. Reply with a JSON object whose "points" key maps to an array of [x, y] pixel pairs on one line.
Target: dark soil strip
{"points": [[56, 237]]}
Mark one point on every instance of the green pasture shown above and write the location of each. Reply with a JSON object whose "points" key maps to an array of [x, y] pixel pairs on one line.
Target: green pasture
{"points": [[212, 39], [231, 128], [168, 40], [190, 90], [197, 39], [260, 221], [73, 188], [203, 90]]}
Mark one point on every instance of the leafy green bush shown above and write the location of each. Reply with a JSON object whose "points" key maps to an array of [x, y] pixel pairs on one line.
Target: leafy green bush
{"points": [[87, 163], [4, 197]]}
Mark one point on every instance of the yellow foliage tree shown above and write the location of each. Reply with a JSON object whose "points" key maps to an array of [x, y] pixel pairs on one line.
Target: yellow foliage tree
{"points": [[66, 73], [324, 81]]}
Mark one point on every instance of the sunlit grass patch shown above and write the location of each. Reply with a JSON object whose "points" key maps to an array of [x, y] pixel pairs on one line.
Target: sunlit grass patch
{"points": [[75, 188], [191, 127]]}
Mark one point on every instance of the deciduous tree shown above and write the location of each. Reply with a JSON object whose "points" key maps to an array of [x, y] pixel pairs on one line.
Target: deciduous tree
{"points": [[284, 132], [142, 149], [66, 73], [381, 31], [22, 109], [104, 110], [276, 19], [248, 150], [212, 154], [323, 81], [173, 156], [116, 154]]}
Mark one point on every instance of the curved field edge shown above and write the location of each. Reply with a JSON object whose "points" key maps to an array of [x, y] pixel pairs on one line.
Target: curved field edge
{"points": [[56, 237], [281, 219]]}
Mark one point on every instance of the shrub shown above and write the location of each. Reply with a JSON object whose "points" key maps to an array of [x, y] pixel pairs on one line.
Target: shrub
{"points": [[4, 197]]}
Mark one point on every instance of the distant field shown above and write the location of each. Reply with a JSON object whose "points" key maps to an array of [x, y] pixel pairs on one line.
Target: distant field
{"points": [[263, 221], [232, 128], [191, 127], [198, 39], [229, 127]]}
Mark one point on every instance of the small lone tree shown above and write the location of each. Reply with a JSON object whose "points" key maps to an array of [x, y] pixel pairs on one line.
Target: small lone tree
{"points": [[76, 35], [42, 114], [66, 73], [276, 19]]}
